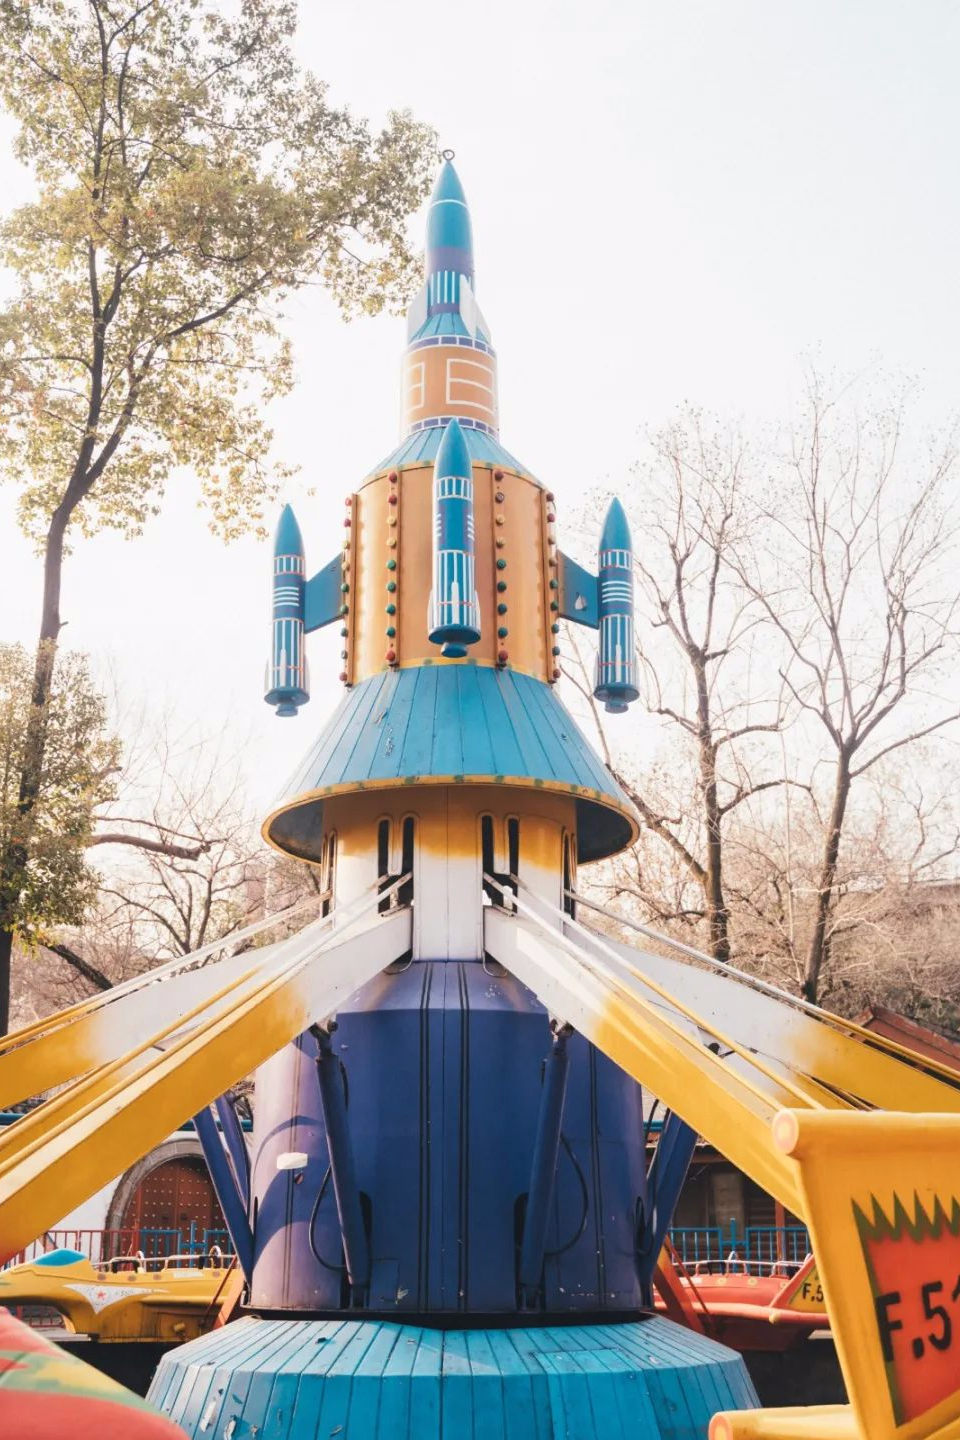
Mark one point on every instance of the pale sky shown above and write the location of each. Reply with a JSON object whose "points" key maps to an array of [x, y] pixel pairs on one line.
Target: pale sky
{"points": [[671, 202]]}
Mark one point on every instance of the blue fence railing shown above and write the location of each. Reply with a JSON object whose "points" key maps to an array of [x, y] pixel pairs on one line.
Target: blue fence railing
{"points": [[156, 1243], [756, 1244]]}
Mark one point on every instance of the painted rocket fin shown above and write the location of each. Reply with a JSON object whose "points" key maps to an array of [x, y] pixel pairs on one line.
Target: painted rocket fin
{"points": [[470, 312], [323, 598], [579, 594], [417, 313]]}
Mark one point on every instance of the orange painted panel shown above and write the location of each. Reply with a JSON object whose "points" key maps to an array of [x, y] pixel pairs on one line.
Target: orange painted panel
{"points": [[410, 522], [449, 380]]}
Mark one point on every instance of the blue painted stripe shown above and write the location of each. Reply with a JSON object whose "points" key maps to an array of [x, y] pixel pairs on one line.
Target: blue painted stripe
{"points": [[338, 755], [475, 719], [393, 737], [449, 736], [417, 756]]}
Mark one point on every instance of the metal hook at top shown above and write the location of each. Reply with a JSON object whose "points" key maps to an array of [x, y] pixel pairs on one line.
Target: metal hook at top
{"points": [[447, 154]]}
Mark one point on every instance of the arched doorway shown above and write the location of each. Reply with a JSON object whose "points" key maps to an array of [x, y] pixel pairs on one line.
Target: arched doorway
{"points": [[171, 1208]]}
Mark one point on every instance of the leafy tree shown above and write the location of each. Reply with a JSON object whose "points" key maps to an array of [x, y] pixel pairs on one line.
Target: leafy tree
{"points": [[189, 176], [80, 761]]}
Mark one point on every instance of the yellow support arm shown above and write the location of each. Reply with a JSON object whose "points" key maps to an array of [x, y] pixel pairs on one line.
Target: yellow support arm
{"points": [[66, 1151], [96, 1037], [805, 1042], [661, 1051], [879, 1190], [809, 1422]]}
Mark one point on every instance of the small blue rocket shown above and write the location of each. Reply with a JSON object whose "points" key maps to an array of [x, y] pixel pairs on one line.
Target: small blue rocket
{"points": [[287, 667], [454, 619], [616, 682]]}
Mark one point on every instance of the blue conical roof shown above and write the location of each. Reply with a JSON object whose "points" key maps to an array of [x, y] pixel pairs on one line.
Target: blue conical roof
{"points": [[616, 529], [287, 539], [453, 457]]}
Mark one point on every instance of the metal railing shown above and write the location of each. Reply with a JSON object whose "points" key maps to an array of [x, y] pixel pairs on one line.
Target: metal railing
{"points": [[115, 1247], [749, 1248]]}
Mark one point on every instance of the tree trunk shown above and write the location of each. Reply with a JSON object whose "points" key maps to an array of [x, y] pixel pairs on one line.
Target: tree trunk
{"points": [[6, 951], [718, 942], [717, 916], [17, 853], [818, 949]]}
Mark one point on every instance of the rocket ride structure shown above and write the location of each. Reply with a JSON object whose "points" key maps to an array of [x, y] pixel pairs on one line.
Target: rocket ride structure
{"points": [[447, 1226], [450, 1222]]}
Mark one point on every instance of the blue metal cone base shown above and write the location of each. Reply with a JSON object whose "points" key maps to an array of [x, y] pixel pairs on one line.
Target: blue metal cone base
{"points": [[448, 724], [377, 1380]]}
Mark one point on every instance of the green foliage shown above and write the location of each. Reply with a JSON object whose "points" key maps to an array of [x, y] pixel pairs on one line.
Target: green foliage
{"points": [[52, 884], [189, 177]]}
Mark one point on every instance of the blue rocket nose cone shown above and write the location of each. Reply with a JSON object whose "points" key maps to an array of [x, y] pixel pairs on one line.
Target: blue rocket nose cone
{"points": [[449, 235], [447, 185], [616, 529], [453, 457], [287, 539]]}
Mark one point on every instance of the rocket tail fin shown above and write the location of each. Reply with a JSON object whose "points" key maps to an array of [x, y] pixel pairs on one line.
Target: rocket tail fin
{"points": [[417, 313]]}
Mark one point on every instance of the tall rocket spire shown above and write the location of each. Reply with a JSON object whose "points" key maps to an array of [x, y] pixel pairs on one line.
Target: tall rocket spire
{"points": [[449, 256], [450, 369]]}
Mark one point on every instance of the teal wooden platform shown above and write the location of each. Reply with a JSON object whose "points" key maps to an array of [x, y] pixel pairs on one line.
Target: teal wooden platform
{"points": [[376, 1380]]}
